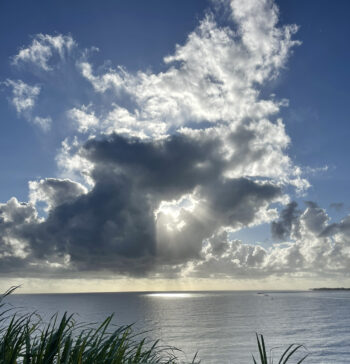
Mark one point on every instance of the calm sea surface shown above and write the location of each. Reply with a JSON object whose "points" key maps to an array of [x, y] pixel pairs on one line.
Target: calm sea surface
{"points": [[221, 326]]}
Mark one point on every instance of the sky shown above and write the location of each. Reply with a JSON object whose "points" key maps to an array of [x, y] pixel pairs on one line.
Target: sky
{"points": [[178, 145]]}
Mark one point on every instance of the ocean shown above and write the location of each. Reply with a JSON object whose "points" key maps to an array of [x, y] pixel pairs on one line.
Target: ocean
{"points": [[220, 326]]}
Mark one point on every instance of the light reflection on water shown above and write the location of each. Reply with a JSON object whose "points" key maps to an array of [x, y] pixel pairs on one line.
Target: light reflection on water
{"points": [[169, 295], [221, 326]]}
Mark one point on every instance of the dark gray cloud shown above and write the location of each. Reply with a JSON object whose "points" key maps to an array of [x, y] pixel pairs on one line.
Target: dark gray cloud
{"points": [[244, 141], [167, 168], [226, 203], [282, 228], [118, 226], [15, 253], [113, 226], [314, 219]]}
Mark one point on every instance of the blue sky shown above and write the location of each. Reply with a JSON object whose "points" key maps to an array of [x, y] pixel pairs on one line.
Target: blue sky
{"points": [[316, 83], [120, 119]]}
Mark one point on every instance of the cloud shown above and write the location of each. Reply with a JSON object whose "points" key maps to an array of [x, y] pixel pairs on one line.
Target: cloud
{"points": [[282, 229], [212, 82], [42, 49], [214, 77], [124, 224], [23, 95], [14, 251], [114, 226], [54, 192], [43, 123], [318, 250], [84, 120], [165, 167], [319, 247], [222, 257], [24, 98]]}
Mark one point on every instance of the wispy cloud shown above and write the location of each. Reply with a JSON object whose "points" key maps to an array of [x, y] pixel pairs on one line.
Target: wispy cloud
{"points": [[24, 96], [43, 123], [42, 49]]}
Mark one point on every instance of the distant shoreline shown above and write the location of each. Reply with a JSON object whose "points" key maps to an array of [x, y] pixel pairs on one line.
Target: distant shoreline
{"points": [[330, 289]]}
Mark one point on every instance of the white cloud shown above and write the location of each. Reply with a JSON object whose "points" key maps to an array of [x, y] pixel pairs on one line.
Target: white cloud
{"points": [[120, 120], [43, 48], [54, 191], [309, 253], [43, 123], [23, 95], [85, 120], [72, 165], [15, 211], [213, 76], [115, 79], [212, 81]]}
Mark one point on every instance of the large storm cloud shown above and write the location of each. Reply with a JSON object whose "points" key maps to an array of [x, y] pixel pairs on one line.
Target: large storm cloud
{"points": [[114, 226]]}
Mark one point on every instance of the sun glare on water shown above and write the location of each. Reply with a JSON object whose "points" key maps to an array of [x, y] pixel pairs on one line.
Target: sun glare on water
{"points": [[170, 295]]}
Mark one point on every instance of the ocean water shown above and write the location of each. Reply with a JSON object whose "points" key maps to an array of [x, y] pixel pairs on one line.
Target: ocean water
{"points": [[221, 326]]}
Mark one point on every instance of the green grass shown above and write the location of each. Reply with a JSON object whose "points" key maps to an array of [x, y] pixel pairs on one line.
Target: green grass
{"points": [[293, 351], [25, 338]]}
